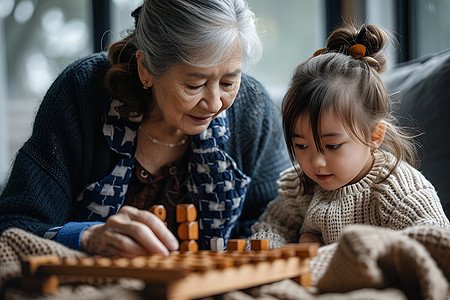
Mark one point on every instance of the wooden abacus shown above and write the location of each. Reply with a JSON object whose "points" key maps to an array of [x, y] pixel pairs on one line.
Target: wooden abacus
{"points": [[181, 275]]}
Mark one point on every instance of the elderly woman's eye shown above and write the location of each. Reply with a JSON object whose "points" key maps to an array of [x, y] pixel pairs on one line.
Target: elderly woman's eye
{"points": [[194, 87]]}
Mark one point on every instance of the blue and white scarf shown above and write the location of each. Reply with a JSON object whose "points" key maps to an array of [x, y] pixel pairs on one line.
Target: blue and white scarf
{"points": [[216, 184]]}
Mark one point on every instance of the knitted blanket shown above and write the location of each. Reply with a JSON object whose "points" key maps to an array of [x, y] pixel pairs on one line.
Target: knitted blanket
{"points": [[367, 263]]}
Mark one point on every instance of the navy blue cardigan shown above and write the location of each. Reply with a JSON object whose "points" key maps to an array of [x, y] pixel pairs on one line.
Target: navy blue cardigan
{"points": [[67, 150]]}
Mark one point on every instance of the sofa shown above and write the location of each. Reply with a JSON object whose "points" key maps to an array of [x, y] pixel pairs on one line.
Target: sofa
{"points": [[420, 93]]}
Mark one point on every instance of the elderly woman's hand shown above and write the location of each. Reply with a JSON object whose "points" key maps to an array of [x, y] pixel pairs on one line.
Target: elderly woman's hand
{"points": [[129, 233]]}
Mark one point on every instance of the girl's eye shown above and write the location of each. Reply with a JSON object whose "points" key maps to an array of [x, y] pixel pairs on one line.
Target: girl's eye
{"points": [[301, 146], [333, 147]]}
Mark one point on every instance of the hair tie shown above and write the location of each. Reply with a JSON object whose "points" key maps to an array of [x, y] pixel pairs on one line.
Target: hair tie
{"points": [[357, 51]]}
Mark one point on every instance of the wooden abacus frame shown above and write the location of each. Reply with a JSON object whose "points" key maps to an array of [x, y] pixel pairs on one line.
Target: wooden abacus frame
{"points": [[179, 276]]}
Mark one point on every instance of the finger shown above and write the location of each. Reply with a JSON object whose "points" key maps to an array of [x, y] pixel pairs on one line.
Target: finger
{"points": [[158, 228], [155, 236], [106, 240], [123, 246], [139, 232], [142, 234]]}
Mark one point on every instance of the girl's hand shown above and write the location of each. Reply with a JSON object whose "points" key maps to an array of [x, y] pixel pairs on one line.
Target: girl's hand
{"points": [[310, 238], [129, 233]]}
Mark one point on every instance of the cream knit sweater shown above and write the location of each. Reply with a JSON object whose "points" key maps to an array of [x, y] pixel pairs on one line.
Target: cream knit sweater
{"points": [[402, 200]]}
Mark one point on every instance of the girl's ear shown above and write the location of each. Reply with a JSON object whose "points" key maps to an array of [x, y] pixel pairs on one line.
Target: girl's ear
{"points": [[378, 134], [144, 74]]}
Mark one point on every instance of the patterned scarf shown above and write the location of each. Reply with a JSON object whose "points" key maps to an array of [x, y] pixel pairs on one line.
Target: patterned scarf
{"points": [[216, 182]]}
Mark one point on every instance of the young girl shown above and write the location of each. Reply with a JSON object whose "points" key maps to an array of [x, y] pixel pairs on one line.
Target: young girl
{"points": [[354, 163]]}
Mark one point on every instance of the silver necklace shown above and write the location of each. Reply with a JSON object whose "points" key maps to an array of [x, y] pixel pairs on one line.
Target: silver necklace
{"points": [[182, 142]]}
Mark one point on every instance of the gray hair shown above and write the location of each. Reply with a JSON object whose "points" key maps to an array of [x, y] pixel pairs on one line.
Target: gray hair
{"points": [[197, 33]]}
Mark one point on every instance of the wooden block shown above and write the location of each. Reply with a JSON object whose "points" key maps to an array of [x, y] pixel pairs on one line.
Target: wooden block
{"points": [[122, 262], [31, 263], [159, 211], [103, 261], [302, 250], [188, 231], [308, 249], [217, 244], [186, 213], [224, 262], [259, 245], [138, 262], [86, 261], [305, 280], [236, 244], [189, 246], [44, 285]]}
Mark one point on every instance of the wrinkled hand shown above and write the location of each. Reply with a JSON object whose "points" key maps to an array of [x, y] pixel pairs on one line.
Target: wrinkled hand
{"points": [[129, 233], [310, 238]]}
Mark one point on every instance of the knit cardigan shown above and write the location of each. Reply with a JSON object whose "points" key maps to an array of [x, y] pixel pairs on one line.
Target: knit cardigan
{"points": [[404, 199], [67, 150]]}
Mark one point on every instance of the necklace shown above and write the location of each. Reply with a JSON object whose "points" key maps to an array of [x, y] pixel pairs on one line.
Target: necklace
{"points": [[182, 142]]}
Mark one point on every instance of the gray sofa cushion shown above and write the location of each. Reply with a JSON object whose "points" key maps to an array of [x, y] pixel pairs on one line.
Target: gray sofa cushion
{"points": [[423, 101]]}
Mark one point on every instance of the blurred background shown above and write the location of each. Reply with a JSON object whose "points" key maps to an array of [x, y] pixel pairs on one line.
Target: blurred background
{"points": [[39, 38]]}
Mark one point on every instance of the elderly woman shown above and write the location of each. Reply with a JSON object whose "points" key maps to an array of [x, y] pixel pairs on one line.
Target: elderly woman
{"points": [[166, 118]]}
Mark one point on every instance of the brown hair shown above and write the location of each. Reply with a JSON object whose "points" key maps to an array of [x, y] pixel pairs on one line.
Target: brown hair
{"points": [[349, 87], [122, 78]]}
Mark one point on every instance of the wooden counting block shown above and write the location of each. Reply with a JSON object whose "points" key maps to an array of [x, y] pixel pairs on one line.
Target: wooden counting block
{"points": [[44, 284], [186, 213], [188, 231], [308, 249], [287, 252], [302, 250], [236, 244], [122, 262], [217, 244], [224, 262], [239, 259], [259, 245], [30, 264], [86, 261], [159, 211], [138, 262], [103, 261], [304, 280], [189, 246], [70, 261]]}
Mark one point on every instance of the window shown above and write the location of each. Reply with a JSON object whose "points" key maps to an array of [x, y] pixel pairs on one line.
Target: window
{"points": [[430, 28], [291, 32], [38, 39]]}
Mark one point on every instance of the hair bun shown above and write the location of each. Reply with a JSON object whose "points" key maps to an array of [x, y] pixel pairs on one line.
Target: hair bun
{"points": [[364, 43], [373, 37]]}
